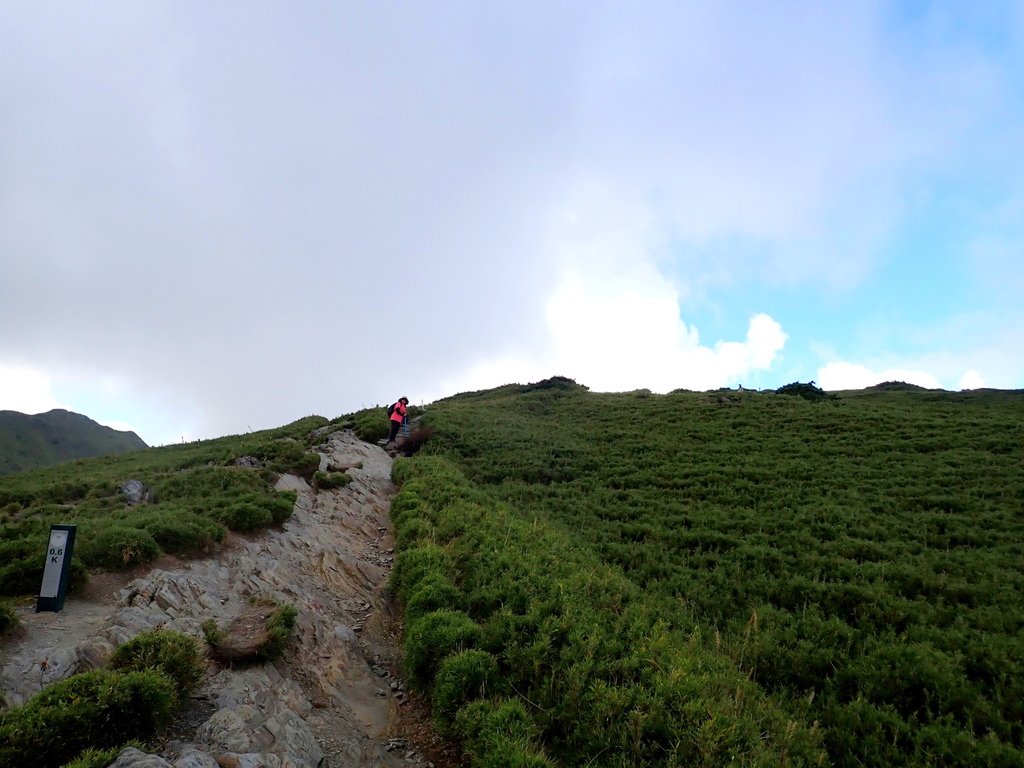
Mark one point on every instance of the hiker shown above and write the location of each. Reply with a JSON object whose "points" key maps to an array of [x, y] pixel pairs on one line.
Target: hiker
{"points": [[397, 415]]}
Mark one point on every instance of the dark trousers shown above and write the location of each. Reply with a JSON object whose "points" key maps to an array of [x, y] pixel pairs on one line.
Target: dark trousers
{"points": [[395, 426]]}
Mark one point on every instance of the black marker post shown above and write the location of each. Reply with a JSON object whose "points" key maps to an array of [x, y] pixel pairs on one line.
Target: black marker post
{"points": [[58, 568]]}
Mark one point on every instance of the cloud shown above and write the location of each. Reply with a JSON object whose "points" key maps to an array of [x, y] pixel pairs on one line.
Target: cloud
{"points": [[619, 329], [249, 215], [26, 389], [971, 380], [842, 375]]}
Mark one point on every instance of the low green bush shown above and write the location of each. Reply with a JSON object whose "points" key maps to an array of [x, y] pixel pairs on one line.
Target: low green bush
{"points": [[415, 531], [118, 546], [290, 456], [245, 516], [432, 593], [279, 632], [413, 566], [99, 709], [21, 571], [370, 424], [175, 654], [179, 531], [461, 678], [8, 618], [328, 480], [282, 505], [431, 638], [500, 734], [95, 758]]}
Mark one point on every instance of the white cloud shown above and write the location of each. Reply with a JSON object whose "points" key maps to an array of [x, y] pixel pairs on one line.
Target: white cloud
{"points": [[971, 380], [26, 389], [842, 375], [618, 328]]}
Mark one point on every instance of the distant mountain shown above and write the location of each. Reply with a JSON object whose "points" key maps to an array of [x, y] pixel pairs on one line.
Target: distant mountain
{"points": [[31, 442]]}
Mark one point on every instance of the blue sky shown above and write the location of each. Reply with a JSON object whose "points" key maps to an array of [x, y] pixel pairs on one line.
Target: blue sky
{"points": [[221, 218]]}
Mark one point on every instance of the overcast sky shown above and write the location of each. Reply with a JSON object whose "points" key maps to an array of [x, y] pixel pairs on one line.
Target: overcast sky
{"points": [[217, 217]]}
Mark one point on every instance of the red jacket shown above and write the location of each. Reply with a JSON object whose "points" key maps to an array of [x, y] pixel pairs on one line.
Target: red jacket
{"points": [[399, 413]]}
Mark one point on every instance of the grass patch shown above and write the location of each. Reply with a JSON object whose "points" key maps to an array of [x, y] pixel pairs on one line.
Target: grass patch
{"points": [[853, 556]]}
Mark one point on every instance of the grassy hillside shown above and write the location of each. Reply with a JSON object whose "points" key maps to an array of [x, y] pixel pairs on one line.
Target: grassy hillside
{"points": [[196, 493], [32, 442], [857, 559]]}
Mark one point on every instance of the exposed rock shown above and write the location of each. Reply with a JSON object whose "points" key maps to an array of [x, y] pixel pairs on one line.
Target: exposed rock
{"points": [[248, 461], [134, 492], [131, 757], [193, 758]]}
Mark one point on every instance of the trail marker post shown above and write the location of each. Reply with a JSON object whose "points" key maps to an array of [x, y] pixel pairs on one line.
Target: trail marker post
{"points": [[58, 568]]}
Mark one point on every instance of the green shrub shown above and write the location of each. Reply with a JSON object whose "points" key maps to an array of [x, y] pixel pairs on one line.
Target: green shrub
{"points": [[498, 733], [118, 547], [807, 391], [413, 532], [246, 516], [464, 677], [414, 565], [328, 480], [99, 709], [431, 638], [8, 618], [279, 632], [175, 654], [431, 593], [282, 505], [213, 633], [21, 576], [290, 456], [370, 424], [180, 531], [95, 758]]}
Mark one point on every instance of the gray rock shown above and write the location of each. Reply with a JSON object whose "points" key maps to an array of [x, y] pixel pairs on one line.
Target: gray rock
{"points": [[94, 653], [248, 461], [134, 491], [229, 730], [193, 758], [248, 760], [131, 757]]}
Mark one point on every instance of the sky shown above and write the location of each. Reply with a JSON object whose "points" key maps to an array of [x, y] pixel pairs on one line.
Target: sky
{"points": [[222, 217]]}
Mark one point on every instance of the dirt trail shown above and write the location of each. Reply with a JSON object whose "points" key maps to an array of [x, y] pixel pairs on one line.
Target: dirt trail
{"points": [[338, 683]]}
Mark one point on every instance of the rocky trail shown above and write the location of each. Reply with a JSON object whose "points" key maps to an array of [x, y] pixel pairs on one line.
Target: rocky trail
{"points": [[335, 699]]}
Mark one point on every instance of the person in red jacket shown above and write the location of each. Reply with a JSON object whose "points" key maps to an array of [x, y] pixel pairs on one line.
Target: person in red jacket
{"points": [[398, 412]]}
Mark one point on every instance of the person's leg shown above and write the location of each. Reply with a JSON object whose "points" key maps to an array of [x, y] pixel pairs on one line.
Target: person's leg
{"points": [[394, 430]]}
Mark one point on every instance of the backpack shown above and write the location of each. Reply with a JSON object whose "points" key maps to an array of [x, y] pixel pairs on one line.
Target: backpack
{"points": [[391, 409]]}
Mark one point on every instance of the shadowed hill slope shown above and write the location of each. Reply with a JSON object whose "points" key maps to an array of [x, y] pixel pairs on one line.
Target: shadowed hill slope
{"points": [[32, 442]]}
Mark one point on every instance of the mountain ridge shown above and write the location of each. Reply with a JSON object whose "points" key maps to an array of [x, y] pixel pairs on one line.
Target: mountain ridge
{"points": [[42, 440]]}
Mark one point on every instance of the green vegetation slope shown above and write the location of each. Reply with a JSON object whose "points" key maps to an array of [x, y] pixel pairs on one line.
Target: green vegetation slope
{"points": [[196, 492], [855, 561], [32, 442]]}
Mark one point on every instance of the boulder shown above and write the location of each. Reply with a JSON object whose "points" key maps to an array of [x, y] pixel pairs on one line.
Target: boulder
{"points": [[134, 492]]}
